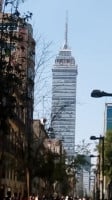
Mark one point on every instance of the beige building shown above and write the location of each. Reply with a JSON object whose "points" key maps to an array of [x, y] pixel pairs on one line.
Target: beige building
{"points": [[1, 3], [54, 145], [18, 51], [39, 136], [43, 144]]}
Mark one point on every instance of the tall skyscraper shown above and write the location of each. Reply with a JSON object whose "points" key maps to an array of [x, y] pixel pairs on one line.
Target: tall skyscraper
{"points": [[64, 79]]}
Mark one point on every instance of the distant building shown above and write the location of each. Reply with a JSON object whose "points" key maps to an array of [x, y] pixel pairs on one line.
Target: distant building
{"points": [[64, 81], [39, 132], [83, 179], [107, 127], [39, 137], [108, 117]]}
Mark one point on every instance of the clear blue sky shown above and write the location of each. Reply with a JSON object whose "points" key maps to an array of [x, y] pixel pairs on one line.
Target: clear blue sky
{"points": [[90, 38]]}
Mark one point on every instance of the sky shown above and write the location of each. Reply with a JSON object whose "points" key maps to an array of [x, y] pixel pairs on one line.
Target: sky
{"points": [[90, 39]]}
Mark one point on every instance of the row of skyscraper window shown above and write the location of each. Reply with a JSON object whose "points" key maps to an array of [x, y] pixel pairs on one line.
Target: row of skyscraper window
{"points": [[70, 126], [69, 100], [65, 132], [65, 53], [67, 77], [69, 110], [64, 119], [63, 85], [64, 61], [66, 70], [69, 73], [66, 90], [65, 95], [67, 115]]}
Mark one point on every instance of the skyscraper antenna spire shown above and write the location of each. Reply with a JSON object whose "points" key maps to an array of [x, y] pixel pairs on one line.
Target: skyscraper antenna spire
{"points": [[66, 31]]}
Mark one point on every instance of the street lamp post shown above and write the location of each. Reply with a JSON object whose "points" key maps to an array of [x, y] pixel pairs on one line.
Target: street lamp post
{"points": [[99, 93], [101, 138]]}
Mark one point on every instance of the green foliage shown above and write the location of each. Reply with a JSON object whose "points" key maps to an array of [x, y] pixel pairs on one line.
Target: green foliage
{"points": [[11, 73], [65, 187], [59, 172], [48, 166], [79, 162], [108, 154], [52, 169]]}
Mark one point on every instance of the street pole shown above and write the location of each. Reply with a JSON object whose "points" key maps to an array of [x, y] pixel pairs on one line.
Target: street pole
{"points": [[101, 138], [99, 177], [102, 168]]}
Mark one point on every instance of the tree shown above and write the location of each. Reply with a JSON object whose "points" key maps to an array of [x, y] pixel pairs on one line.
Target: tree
{"points": [[42, 79], [108, 154], [83, 148]]}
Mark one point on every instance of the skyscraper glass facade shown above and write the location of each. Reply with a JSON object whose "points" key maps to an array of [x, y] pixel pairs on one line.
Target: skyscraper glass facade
{"points": [[64, 79], [108, 116]]}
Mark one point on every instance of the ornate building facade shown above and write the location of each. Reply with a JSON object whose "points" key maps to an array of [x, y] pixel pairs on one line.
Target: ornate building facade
{"points": [[18, 53]]}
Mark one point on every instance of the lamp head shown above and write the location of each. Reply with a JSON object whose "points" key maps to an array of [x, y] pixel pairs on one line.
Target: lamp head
{"points": [[92, 156], [98, 94], [93, 137]]}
